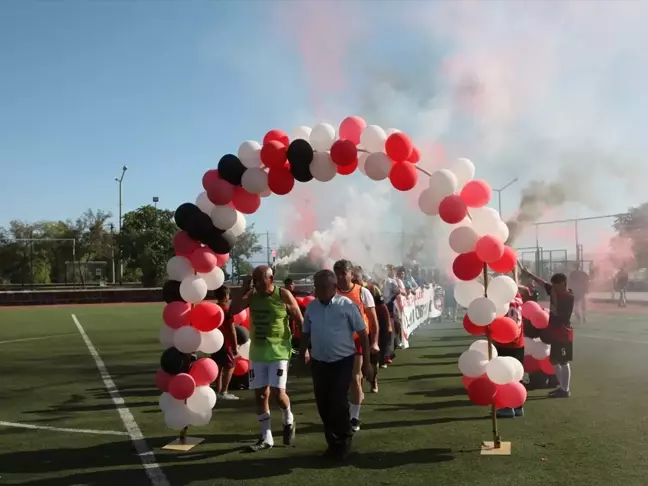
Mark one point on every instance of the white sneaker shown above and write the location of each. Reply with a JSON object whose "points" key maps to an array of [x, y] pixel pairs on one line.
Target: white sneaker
{"points": [[227, 396]]}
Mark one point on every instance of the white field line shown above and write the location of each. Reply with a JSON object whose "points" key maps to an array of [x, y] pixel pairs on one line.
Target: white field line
{"points": [[609, 338], [62, 429], [35, 338], [151, 467]]}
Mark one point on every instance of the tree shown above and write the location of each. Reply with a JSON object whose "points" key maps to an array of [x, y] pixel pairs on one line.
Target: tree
{"points": [[246, 246], [145, 242], [634, 225], [301, 267]]}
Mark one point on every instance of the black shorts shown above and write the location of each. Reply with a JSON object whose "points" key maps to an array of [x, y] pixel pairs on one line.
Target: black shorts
{"points": [[562, 352], [224, 358], [517, 353]]}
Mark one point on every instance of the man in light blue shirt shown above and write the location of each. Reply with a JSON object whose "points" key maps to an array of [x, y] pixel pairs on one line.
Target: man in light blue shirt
{"points": [[330, 323]]}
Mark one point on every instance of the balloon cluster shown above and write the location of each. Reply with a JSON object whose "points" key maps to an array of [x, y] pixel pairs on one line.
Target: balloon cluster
{"points": [[536, 352]]}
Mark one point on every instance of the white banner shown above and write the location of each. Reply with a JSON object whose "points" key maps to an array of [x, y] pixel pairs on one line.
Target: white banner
{"points": [[415, 310]]}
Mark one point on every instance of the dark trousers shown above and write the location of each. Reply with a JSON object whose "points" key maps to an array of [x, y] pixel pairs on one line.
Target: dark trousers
{"points": [[331, 382]]}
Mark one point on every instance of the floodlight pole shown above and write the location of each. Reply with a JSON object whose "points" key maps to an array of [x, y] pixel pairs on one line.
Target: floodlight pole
{"points": [[499, 194], [119, 182]]}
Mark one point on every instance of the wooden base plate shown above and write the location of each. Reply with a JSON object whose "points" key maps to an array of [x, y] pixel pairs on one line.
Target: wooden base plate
{"points": [[185, 445], [488, 449]]}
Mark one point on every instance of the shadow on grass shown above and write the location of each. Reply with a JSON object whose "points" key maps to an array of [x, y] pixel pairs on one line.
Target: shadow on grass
{"points": [[441, 393], [441, 356], [425, 406]]}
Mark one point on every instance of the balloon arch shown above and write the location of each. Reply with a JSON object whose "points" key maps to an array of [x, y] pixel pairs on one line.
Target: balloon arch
{"points": [[209, 229]]}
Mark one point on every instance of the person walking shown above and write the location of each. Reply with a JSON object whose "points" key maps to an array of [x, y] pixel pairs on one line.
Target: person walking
{"points": [[270, 349], [331, 323]]}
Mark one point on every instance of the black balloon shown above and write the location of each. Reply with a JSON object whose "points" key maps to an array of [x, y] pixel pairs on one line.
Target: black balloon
{"points": [[174, 361], [222, 242], [171, 291], [242, 335], [200, 227], [299, 153], [231, 169], [184, 214], [301, 173]]}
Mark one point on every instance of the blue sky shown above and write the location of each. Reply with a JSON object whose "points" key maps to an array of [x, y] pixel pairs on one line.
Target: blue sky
{"points": [[168, 87]]}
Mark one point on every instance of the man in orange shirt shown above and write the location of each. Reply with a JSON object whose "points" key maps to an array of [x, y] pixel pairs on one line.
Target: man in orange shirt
{"points": [[360, 296]]}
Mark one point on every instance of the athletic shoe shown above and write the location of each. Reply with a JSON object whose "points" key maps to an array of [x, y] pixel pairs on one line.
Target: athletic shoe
{"points": [[355, 425], [227, 396], [261, 445], [505, 413], [374, 388], [559, 393], [388, 361], [383, 366], [519, 412], [289, 434]]}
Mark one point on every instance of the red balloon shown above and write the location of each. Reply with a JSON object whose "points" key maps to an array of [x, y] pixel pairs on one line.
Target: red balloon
{"points": [[246, 202], [415, 156], [182, 386], [204, 371], [347, 169], [351, 128], [300, 301], [476, 193], [209, 179], [344, 152], [203, 260], [241, 366], [467, 266], [280, 181], [511, 395], [453, 209], [183, 245], [242, 316], [222, 259], [176, 314], [531, 365], [399, 147], [489, 249], [278, 136], [472, 328], [466, 380], [540, 319], [546, 367], [206, 316], [273, 154], [220, 192], [530, 308], [308, 299], [403, 176], [504, 330], [506, 263], [162, 379], [482, 391]]}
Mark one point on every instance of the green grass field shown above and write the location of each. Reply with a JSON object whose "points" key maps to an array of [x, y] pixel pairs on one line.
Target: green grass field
{"points": [[419, 430]]}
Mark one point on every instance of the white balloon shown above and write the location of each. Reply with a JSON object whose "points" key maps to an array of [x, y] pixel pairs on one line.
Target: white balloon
{"points": [[212, 341], [200, 419], [254, 180], [202, 400], [223, 217], [481, 346], [322, 136], [485, 221], [503, 309], [519, 368], [203, 203], [378, 166], [167, 402], [500, 371], [464, 169], [179, 268], [464, 222], [428, 202], [373, 138], [193, 289], [466, 292], [239, 227], [502, 290], [391, 131], [482, 311], [502, 232], [302, 133], [214, 279], [187, 339], [178, 418], [472, 363], [322, 167], [166, 336], [539, 350], [249, 153], [266, 193], [443, 183], [362, 160], [244, 350], [463, 239]]}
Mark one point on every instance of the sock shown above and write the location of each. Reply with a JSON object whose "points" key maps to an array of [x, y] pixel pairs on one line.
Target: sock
{"points": [[566, 376], [559, 377], [264, 423], [287, 416], [354, 411]]}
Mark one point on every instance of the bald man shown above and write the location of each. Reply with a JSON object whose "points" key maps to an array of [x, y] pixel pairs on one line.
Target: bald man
{"points": [[271, 309]]}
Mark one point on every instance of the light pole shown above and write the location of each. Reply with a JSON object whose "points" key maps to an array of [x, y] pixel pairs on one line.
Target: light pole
{"points": [[155, 201], [499, 194], [119, 182]]}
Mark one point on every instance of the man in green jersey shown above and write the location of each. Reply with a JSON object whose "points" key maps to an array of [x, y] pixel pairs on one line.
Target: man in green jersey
{"points": [[271, 309]]}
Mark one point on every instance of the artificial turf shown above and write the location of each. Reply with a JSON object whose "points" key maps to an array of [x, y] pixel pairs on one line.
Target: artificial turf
{"points": [[419, 430]]}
